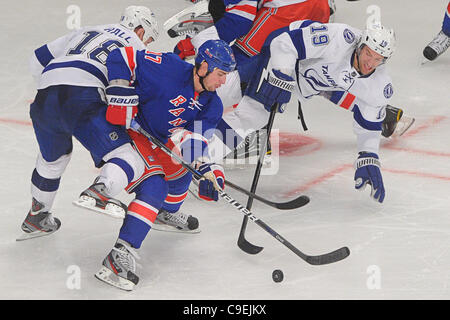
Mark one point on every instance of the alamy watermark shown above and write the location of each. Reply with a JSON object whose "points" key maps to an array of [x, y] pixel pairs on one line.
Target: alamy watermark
{"points": [[73, 21], [374, 280], [73, 281]]}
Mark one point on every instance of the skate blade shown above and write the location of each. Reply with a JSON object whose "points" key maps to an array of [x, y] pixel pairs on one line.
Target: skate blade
{"points": [[402, 126], [191, 12], [35, 234], [111, 209], [106, 275], [167, 228]]}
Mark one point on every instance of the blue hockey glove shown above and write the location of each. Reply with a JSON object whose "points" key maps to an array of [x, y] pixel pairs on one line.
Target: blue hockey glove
{"points": [[368, 172], [274, 87], [214, 180]]}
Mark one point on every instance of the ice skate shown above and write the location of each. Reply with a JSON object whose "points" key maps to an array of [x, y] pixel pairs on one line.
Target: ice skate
{"points": [[119, 267], [38, 222], [190, 21], [95, 198], [395, 123], [247, 152], [176, 222], [437, 46]]}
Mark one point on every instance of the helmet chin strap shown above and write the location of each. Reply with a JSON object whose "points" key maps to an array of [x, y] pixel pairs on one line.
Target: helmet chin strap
{"points": [[201, 79]]}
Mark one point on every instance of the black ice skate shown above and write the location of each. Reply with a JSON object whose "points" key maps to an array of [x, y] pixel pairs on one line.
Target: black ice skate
{"points": [[437, 46], [95, 198], [176, 222], [119, 267], [38, 222], [395, 123]]}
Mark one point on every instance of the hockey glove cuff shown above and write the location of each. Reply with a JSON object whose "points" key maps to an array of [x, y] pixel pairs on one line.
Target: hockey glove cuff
{"points": [[122, 105], [275, 87], [368, 172], [214, 180]]}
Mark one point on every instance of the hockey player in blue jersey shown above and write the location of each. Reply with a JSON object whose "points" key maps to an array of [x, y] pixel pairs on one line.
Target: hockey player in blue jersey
{"points": [[71, 78], [442, 40], [179, 106]]}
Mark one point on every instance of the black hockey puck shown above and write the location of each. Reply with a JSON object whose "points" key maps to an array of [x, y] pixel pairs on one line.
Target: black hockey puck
{"points": [[277, 275]]}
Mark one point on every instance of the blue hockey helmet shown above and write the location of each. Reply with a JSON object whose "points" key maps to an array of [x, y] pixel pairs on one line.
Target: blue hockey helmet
{"points": [[218, 54]]}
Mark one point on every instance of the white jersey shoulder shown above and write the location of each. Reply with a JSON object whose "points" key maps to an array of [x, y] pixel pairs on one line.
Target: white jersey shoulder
{"points": [[323, 55], [79, 57]]}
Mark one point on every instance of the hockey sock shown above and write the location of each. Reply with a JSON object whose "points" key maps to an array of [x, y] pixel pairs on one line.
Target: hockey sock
{"points": [[178, 190], [143, 210]]}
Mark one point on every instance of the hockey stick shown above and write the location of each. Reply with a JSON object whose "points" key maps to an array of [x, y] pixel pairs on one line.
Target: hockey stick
{"points": [[243, 243], [288, 205], [326, 258]]}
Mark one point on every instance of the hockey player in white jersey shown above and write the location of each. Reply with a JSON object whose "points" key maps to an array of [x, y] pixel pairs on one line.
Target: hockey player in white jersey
{"points": [[335, 61], [71, 79], [232, 21]]}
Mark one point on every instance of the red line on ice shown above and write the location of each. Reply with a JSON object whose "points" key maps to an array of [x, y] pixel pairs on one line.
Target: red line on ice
{"points": [[20, 122]]}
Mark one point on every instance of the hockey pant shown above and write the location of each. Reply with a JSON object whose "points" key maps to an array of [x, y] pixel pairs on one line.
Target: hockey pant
{"points": [[268, 20], [164, 184]]}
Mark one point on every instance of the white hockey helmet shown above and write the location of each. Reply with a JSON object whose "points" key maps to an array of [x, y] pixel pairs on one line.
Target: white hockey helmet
{"points": [[379, 39], [135, 16]]}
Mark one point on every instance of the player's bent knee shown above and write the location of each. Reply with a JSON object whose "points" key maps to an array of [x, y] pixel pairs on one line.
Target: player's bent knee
{"points": [[128, 154]]}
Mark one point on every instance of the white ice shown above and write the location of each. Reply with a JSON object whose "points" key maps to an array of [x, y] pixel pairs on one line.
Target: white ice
{"points": [[399, 249]]}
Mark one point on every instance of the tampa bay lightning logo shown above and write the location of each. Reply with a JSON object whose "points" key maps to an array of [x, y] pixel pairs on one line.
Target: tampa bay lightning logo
{"points": [[314, 80], [388, 91], [349, 36]]}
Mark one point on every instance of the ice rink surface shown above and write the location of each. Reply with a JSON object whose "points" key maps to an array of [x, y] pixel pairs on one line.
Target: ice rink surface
{"points": [[399, 249]]}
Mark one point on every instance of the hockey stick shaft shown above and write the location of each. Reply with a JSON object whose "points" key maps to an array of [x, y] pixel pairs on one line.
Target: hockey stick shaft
{"points": [[326, 258], [331, 257], [293, 204], [243, 243]]}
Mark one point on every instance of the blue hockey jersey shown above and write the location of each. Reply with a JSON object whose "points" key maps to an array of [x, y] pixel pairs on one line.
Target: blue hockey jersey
{"points": [[168, 103]]}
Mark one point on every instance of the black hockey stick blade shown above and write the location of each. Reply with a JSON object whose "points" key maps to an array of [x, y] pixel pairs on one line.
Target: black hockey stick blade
{"points": [[243, 243], [248, 247], [293, 204], [330, 257]]}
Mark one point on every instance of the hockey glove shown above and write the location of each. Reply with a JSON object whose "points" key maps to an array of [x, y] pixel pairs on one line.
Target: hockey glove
{"points": [[274, 87], [368, 172], [122, 105], [184, 48], [214, 180]]}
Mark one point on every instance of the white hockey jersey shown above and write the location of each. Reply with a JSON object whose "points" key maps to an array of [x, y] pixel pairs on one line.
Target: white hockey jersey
{"points": [[322, 56], [79, 57]]}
